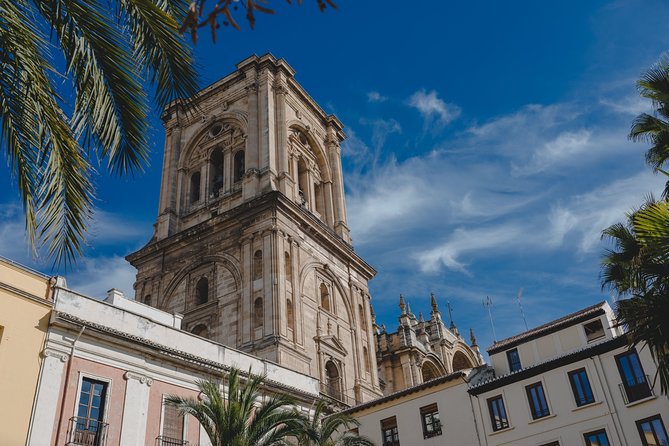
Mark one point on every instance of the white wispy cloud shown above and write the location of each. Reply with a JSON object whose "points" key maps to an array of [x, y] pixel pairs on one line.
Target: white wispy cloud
{"points": [[95, 276], [375, 96], [433, 108]]}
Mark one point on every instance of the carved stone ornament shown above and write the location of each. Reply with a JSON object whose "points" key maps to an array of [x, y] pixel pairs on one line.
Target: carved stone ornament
{"points": [[55, 354], [141, 378]]}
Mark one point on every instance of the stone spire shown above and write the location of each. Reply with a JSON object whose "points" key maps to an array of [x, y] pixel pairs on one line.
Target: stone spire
{"points": [[421, 319], [434, 314], [402, 305], [472, 338]]}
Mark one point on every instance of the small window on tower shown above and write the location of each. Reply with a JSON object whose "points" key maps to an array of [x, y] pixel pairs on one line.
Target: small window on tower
{"points": [[195, 187], [325, 297], [258, 313], [257, 265], [202, 291], [239, 166]]}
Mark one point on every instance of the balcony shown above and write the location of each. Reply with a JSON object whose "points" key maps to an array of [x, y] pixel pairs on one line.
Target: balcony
{"points": [[335, 395], [639, 390], [162, 440], [86, 432]]}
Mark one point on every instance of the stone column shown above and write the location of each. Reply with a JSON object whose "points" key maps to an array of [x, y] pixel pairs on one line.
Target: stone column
{"points": [[135, 408], [269, 313], [168, 190], [281, 141], [251, 154], [327, 197], [246, 313], [334, 152], [43, 422]]}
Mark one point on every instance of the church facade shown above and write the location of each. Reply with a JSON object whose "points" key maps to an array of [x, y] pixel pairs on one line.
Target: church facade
{"points": [[251, 243]]}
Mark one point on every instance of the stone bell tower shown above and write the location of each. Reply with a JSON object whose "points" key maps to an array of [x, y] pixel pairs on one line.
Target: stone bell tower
{"points": [[251, 243]]}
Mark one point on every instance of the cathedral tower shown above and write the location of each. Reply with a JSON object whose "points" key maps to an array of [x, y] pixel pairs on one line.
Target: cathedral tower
{"points": [[251, 243]]}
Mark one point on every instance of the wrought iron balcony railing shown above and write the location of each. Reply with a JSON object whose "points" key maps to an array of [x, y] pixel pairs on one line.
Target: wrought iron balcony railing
{"points": [[86, 432], [637, 391], [162, 440]]}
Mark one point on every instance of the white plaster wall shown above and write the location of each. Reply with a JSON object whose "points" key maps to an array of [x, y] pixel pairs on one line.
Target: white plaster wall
{"points": [[455, 413]]}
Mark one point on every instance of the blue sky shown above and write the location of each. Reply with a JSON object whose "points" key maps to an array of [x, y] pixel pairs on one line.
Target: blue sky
{"points": [[486, 148]]}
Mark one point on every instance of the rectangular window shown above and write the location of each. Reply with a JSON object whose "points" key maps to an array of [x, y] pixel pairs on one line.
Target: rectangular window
{"points": [[652, 431], [431, 423], [514, 360], [594, 330], [498, 417], [537, 400], [580, 385], [635, 381], [172, 433], [389, 432], [597, 438], [552, 443], [87, 427]]}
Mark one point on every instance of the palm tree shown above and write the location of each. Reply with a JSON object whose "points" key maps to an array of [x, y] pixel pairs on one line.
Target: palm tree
{"points": [[72, 92], [329, 430], [654, 128], [236, 419], [637, 269]]}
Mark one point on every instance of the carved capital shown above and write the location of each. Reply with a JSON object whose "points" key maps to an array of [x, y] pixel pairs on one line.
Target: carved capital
{"points": [[54, 354], [141, 378], [252, 87]]}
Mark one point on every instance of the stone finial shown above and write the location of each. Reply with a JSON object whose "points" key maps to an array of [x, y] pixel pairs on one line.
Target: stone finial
{"points": [[421, 319], [435, 308], [472, 338], [402, 305], [411, 315], [383, 328]]}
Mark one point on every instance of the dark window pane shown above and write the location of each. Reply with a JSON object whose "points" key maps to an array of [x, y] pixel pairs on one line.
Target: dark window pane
{"points": [[581, 387], [514, 360]]}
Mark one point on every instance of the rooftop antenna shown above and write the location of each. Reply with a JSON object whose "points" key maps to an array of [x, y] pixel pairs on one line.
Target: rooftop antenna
{"points": [[487, 302], [522, 313]]}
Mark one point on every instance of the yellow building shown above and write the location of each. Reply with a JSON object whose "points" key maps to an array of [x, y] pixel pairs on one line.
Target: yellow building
{"points": [[25, 306]]}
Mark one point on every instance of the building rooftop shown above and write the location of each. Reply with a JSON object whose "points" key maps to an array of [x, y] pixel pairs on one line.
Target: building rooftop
{"points": [[550, 327]]}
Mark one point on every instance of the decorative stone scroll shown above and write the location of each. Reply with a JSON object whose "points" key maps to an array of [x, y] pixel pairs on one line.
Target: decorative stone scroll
{"points": [[55, 354], [141, 378]]}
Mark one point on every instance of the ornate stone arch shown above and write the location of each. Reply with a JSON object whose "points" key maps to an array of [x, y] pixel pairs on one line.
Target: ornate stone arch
{"points": [[225, 260], [237, 120], [325, 270], [463, 358], [316, 148], [432, 367]]}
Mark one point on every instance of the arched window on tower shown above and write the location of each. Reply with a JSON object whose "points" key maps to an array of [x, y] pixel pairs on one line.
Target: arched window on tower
{"points": [[325, 297], [195, 187], [319, 199], [239, 166], [202, 291], [290, 314], [257, 265], [303, 182], [361, 316], [332, 380], [258, 313], [288, 266], [365, 353], [216, 172]]}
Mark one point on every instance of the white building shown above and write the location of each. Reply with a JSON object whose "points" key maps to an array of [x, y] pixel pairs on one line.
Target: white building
{"points": [[109, 365], [570, 382]]}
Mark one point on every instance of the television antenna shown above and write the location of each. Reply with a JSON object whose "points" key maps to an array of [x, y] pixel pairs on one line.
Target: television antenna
{"points": [[522, 313], [487, 303]]}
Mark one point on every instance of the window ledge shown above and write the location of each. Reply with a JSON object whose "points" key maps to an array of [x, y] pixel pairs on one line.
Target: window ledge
{"points": [[585, 406], [641, 401], [542, 418], [501, 431]]}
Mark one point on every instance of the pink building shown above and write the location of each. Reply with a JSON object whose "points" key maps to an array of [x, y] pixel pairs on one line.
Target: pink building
{"points": [[109, 365]]}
